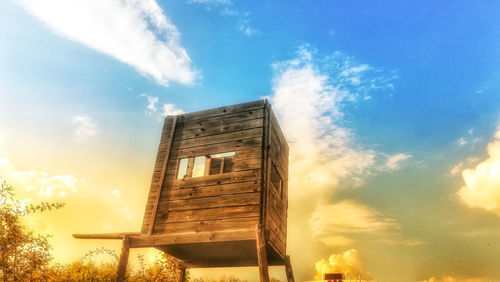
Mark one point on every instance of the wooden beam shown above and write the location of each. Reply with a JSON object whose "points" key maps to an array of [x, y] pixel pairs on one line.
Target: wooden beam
{"points": [[192, 237], [122, 263], [262, 254], [162, 176], [289, 270], [105, 236], [182, 274]]}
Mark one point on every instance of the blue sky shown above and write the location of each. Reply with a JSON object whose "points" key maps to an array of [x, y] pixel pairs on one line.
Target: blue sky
{"points": [[398, 99]]}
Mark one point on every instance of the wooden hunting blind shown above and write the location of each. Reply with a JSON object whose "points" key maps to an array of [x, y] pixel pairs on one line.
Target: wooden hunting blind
{"points": [[218, 195]]}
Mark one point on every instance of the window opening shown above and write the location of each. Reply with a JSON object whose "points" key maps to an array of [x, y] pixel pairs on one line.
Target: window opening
{"points": [[205, 165], [182, 170], [276, 180], [199, 166], [221, 163]]}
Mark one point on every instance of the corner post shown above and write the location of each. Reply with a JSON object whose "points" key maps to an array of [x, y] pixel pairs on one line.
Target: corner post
{"points": [[122, 263], [182, 274], [288, 270], [262, 254]]}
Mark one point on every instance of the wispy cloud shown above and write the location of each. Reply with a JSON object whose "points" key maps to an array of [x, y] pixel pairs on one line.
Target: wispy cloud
{"points": [[482, 183], [394, 162], [245, 27], [85, 128], [350, 217], [166, 109], [135, 32], [226, 8], [152, 101], [171, 109]]}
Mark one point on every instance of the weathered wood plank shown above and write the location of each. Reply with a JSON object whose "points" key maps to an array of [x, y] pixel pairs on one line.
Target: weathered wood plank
{"points": [[247, 233], [206, 225], [276, 127], [243, 115], [155, 188], [239, 146], [210, 191], [208, 214], [211, 202], [262, 254], [288, 270], [159, 184], [278, 221], [123, 261], [218, 138], [217, 128], [222, 110]]}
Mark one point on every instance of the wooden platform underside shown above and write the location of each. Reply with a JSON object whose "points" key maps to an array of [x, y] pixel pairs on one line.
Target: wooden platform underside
{"points": [[220, 254], [201, 249]]}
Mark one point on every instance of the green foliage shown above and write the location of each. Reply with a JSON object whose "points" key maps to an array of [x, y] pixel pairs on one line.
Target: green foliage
{"points": [[24, 256]]}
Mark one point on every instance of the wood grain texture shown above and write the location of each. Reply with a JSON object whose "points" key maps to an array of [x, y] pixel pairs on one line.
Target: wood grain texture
{"points": [[289, 270], [262, 254], [123, 261], [247, 233], [206, 225], [161, 158], [159, 183]]}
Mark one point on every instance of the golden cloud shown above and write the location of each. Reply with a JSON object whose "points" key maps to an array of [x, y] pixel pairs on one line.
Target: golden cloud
{"points": [[345, 262], [482, 183]]}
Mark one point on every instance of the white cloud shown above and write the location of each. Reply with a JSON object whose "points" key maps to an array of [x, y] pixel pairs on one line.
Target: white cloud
{"points": [[394, 162], [245, 27], [461, 142], [37, 182], [482, 183], [152, 101], [84, 128], [309, 98], [171, 109], [116, 193], [136, 32], [457, 168], [349, 217]]}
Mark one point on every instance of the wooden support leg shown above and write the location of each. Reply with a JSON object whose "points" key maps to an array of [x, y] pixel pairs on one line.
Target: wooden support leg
{"points": [[182, 274], [262, 254], [288, 269], [122, 263]]}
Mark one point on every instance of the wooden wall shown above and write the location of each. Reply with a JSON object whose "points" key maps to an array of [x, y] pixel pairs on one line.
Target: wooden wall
{"points": [[276, 197], [215, 202]]}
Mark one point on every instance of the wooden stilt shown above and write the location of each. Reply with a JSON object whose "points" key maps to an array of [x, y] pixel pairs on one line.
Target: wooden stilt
{"points": [[122, 263], [262, 254], [288, 269], [182, 274]]}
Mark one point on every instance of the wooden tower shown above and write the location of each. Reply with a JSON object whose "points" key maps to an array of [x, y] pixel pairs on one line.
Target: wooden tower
{"points": [[218, 196]]}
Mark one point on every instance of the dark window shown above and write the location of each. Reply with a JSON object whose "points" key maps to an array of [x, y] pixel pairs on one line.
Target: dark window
{"points": [[221, 163], [276, 181], [215, 165]]}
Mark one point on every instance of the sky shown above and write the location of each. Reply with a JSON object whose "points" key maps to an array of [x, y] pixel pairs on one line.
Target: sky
{"points": [[391, 111]]}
